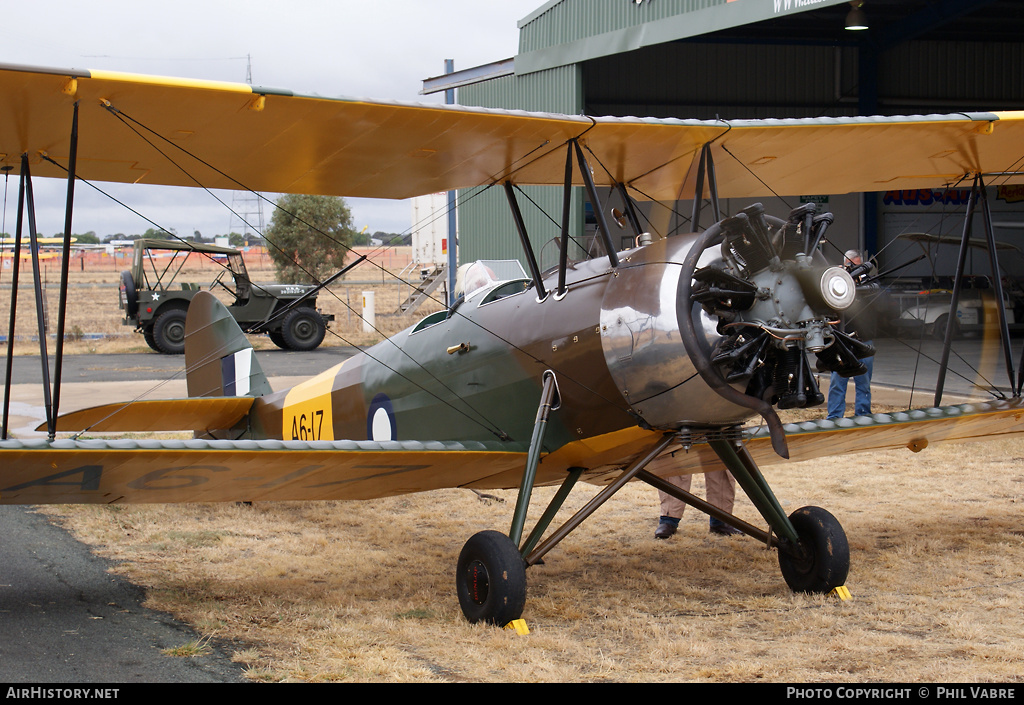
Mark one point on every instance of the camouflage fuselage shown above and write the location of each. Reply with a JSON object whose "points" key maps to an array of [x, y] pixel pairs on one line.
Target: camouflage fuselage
{"points": [[612, 341]]}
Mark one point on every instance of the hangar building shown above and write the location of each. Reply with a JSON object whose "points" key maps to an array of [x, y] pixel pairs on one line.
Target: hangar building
{"points": [[733, 59]]}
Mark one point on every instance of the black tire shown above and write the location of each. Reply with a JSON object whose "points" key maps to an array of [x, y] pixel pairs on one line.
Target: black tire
{"points": [[129, 296], [303, 329], [169, 332], [147, 333], [277, 339], [491, 579], [939, 328], [821, 561]]}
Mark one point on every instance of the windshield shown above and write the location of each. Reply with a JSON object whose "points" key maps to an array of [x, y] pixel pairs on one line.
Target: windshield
{"points": [[474, 276]]}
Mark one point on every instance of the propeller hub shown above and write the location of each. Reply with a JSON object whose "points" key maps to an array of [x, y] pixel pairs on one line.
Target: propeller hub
{"points": [[837, 288]]}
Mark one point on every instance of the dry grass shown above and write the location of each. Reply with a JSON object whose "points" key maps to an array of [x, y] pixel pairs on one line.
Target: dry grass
{"points": [[363, 591], [93, 308]]}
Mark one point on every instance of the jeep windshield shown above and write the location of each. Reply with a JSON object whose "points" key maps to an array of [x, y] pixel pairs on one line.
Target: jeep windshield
{"points": [[157, 263]]}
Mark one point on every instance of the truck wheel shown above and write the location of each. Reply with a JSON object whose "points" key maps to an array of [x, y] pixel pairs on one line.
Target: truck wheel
{"points": [[147, 333], [303, 329], [277, 339], [169, 332], [129, 296]]}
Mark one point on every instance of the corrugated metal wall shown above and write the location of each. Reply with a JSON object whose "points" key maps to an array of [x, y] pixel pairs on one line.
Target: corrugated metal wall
{"points": [[930, 76], [486, 230], [729, 76], [731, 81], [572, 20]]}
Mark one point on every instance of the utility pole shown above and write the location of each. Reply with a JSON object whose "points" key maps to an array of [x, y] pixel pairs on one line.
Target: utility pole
{"points": [[453, 261], [247, 206]]}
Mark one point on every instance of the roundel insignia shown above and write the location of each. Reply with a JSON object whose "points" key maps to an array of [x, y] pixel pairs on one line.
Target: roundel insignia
{"points": [[380, 420]]}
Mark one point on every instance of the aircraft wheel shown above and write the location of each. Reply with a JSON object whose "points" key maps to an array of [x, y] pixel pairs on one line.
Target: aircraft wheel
{"points": [[303, 329], [169, 332], [491, 579], [820, 562]]}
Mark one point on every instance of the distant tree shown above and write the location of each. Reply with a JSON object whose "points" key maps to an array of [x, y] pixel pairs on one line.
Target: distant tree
{"points": [[392, 238], [361, 239], [309, 234], [89, 238], [153, 233]]}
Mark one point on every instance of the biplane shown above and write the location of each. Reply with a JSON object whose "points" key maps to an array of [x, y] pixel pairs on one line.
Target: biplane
{"points": [[585, 374]]}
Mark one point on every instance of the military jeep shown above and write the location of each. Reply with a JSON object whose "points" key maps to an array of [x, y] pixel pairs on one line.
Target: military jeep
{"points": [[156, 303]]}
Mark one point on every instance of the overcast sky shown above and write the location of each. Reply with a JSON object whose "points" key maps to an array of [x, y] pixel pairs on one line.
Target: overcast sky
{"points": [[371, 49]]}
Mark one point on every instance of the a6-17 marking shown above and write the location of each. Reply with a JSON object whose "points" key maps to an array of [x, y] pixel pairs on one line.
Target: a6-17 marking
{"points": [[308, 427]]}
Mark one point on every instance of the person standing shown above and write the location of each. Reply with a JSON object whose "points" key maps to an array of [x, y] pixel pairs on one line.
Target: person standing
{"points": [[862, 382], [720, 486]]}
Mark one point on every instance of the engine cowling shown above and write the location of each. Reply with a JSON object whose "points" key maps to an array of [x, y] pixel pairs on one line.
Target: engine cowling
{"points": [[757, 305]]}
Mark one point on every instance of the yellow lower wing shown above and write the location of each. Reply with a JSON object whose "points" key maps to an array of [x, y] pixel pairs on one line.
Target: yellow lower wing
{"points": [[111, 471]]}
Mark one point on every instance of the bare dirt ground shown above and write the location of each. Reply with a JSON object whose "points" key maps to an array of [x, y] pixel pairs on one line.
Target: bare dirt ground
{"points": [[364, 591]]}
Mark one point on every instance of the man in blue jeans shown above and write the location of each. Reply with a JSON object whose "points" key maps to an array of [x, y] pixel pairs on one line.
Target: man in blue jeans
{"points": [[862, 383]]}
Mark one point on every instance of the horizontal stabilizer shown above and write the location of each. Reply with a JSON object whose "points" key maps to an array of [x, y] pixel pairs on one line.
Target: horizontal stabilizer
{"points": [[198, 414]]}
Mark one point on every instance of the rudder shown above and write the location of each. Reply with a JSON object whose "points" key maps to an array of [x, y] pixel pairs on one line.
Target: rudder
{"points": [[219, 361]]}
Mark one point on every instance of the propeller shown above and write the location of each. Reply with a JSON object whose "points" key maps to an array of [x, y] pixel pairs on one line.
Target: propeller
{"points": [[776, 299]]}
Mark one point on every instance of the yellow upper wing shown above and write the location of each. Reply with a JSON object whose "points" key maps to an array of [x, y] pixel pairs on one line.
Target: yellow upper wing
{"points": [[223, 135]]}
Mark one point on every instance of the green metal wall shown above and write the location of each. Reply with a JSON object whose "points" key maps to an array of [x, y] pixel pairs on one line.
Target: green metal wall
{"points": [[486, 230], [569, 21], [573, 31]]}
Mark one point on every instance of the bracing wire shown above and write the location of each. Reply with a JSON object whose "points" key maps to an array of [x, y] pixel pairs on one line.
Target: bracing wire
{"points": [[525, 159]]}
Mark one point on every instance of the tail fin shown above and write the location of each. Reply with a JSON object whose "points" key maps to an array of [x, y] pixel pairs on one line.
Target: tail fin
{"points": [[219, 361]]}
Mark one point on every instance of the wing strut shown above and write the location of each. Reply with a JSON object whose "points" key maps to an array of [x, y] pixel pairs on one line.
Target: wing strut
{"points": [[978, 196], [64, 265], [15, 273], [524, 238], [563, 255], [997, 282], [26, 202], [595, 201], [705, 167]]}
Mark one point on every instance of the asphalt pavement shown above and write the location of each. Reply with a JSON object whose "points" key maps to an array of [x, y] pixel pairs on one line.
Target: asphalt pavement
{"points": [[902, 364], [67, 619], [124, 367]]}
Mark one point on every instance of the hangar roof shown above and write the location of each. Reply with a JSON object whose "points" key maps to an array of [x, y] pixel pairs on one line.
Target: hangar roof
{"points": [[562, 32]]}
